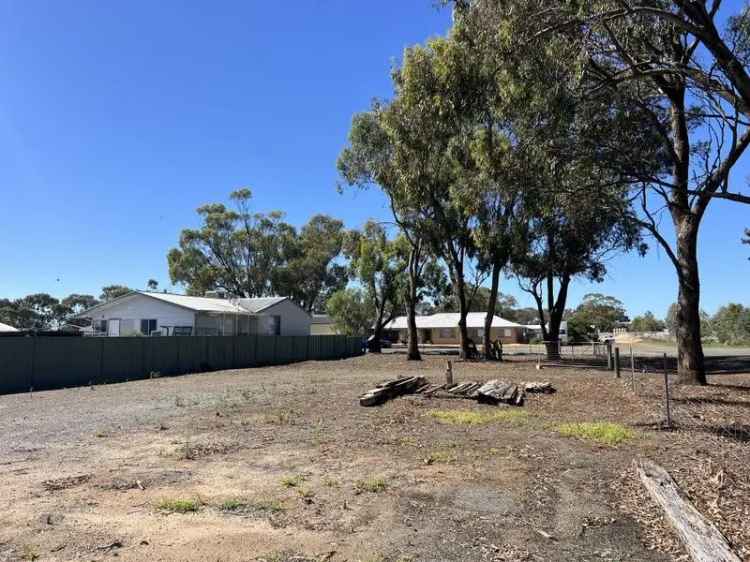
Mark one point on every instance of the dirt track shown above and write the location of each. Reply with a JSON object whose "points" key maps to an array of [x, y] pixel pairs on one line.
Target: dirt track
{"points": [[84, 471]]}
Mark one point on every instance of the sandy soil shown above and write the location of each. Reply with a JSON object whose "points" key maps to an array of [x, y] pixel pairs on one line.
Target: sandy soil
{"points": [[282, 464]]}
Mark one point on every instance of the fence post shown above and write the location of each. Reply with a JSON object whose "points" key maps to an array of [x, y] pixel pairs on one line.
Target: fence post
{"points": [[610, 362], [666, 394], [617, 362], [449, 374], [632, 369]]}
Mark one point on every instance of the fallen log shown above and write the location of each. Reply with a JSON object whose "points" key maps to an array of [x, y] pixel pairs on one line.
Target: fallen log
{"points": [[702, 539]]}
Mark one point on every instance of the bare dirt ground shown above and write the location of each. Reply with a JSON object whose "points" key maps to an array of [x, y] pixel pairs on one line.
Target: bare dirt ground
{"points": [[282, 464]]}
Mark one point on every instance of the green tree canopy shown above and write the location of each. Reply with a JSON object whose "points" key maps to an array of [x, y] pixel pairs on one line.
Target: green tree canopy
{"points": [[351, 311], [731, 324], [111, 292], [646, 322], [600, 311], [259, 254], [378, 265]]}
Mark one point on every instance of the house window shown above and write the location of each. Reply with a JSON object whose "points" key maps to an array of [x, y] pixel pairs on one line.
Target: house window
{"points": [[100, 326], [148, 326], [480, 333], [446, 333], [276, 325], [508, 333]]}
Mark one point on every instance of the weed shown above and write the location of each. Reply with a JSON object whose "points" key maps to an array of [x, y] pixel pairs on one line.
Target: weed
{"points": [[272, 506], [372, 485], [245, 506], [330, 482], [440, 457], [600, 432], [467, 417], [282, 417], [154, 375], [29, 553], [178, 505], [293, 481], [179, 401], [306, 493], [234, 505]]}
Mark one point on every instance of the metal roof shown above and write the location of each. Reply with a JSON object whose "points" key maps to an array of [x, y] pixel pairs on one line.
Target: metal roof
{"points": [[200, 304], [260, 304], [450, 320], [6, 328]]}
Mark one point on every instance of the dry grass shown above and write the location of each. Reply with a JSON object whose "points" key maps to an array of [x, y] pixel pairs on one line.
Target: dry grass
{"points": [[469, 417], [606, 433], [372, 485], [293, 480]]}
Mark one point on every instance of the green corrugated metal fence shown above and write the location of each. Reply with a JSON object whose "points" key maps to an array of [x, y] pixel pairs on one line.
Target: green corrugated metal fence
{"points": [[45, 363]]}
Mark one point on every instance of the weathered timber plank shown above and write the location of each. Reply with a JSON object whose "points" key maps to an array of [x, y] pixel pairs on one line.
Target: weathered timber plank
{"points": [[702, 539]]}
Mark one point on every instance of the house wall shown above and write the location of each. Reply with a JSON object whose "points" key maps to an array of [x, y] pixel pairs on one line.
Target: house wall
{"points": [[134, 308], [294, 320], [217, 324], [441, 337]]}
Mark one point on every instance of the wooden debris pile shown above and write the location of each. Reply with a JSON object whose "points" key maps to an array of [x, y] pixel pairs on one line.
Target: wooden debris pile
{"points": [[490, 392], [391, 389]]}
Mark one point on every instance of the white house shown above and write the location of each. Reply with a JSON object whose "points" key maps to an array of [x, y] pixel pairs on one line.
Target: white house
{"points": [[152, 313], [6, 328], [442, 328]]}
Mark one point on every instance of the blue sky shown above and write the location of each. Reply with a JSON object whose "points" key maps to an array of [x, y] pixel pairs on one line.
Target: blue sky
{"points": [[117, 120]]}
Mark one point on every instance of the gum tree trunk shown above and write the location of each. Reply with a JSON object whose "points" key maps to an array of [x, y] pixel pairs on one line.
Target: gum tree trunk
{"points": [[489, 353], [463, 310], [411, 321], [690, 361]]}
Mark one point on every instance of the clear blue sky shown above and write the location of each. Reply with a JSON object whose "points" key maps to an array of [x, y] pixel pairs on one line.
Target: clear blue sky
{"points": [[118, 119]]}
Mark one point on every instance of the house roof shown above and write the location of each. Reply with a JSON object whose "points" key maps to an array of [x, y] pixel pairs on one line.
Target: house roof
{"points": [[200, 304], [6, 328], [260, 304], [450, 320]]}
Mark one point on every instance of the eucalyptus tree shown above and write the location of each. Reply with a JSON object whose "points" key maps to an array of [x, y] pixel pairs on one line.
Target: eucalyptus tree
{"points": [[572, 209], [313, 271], [377, 264], [431, 115], [685, 67], [111, 292], [259, 254], [351, 311], [376, 155]]}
